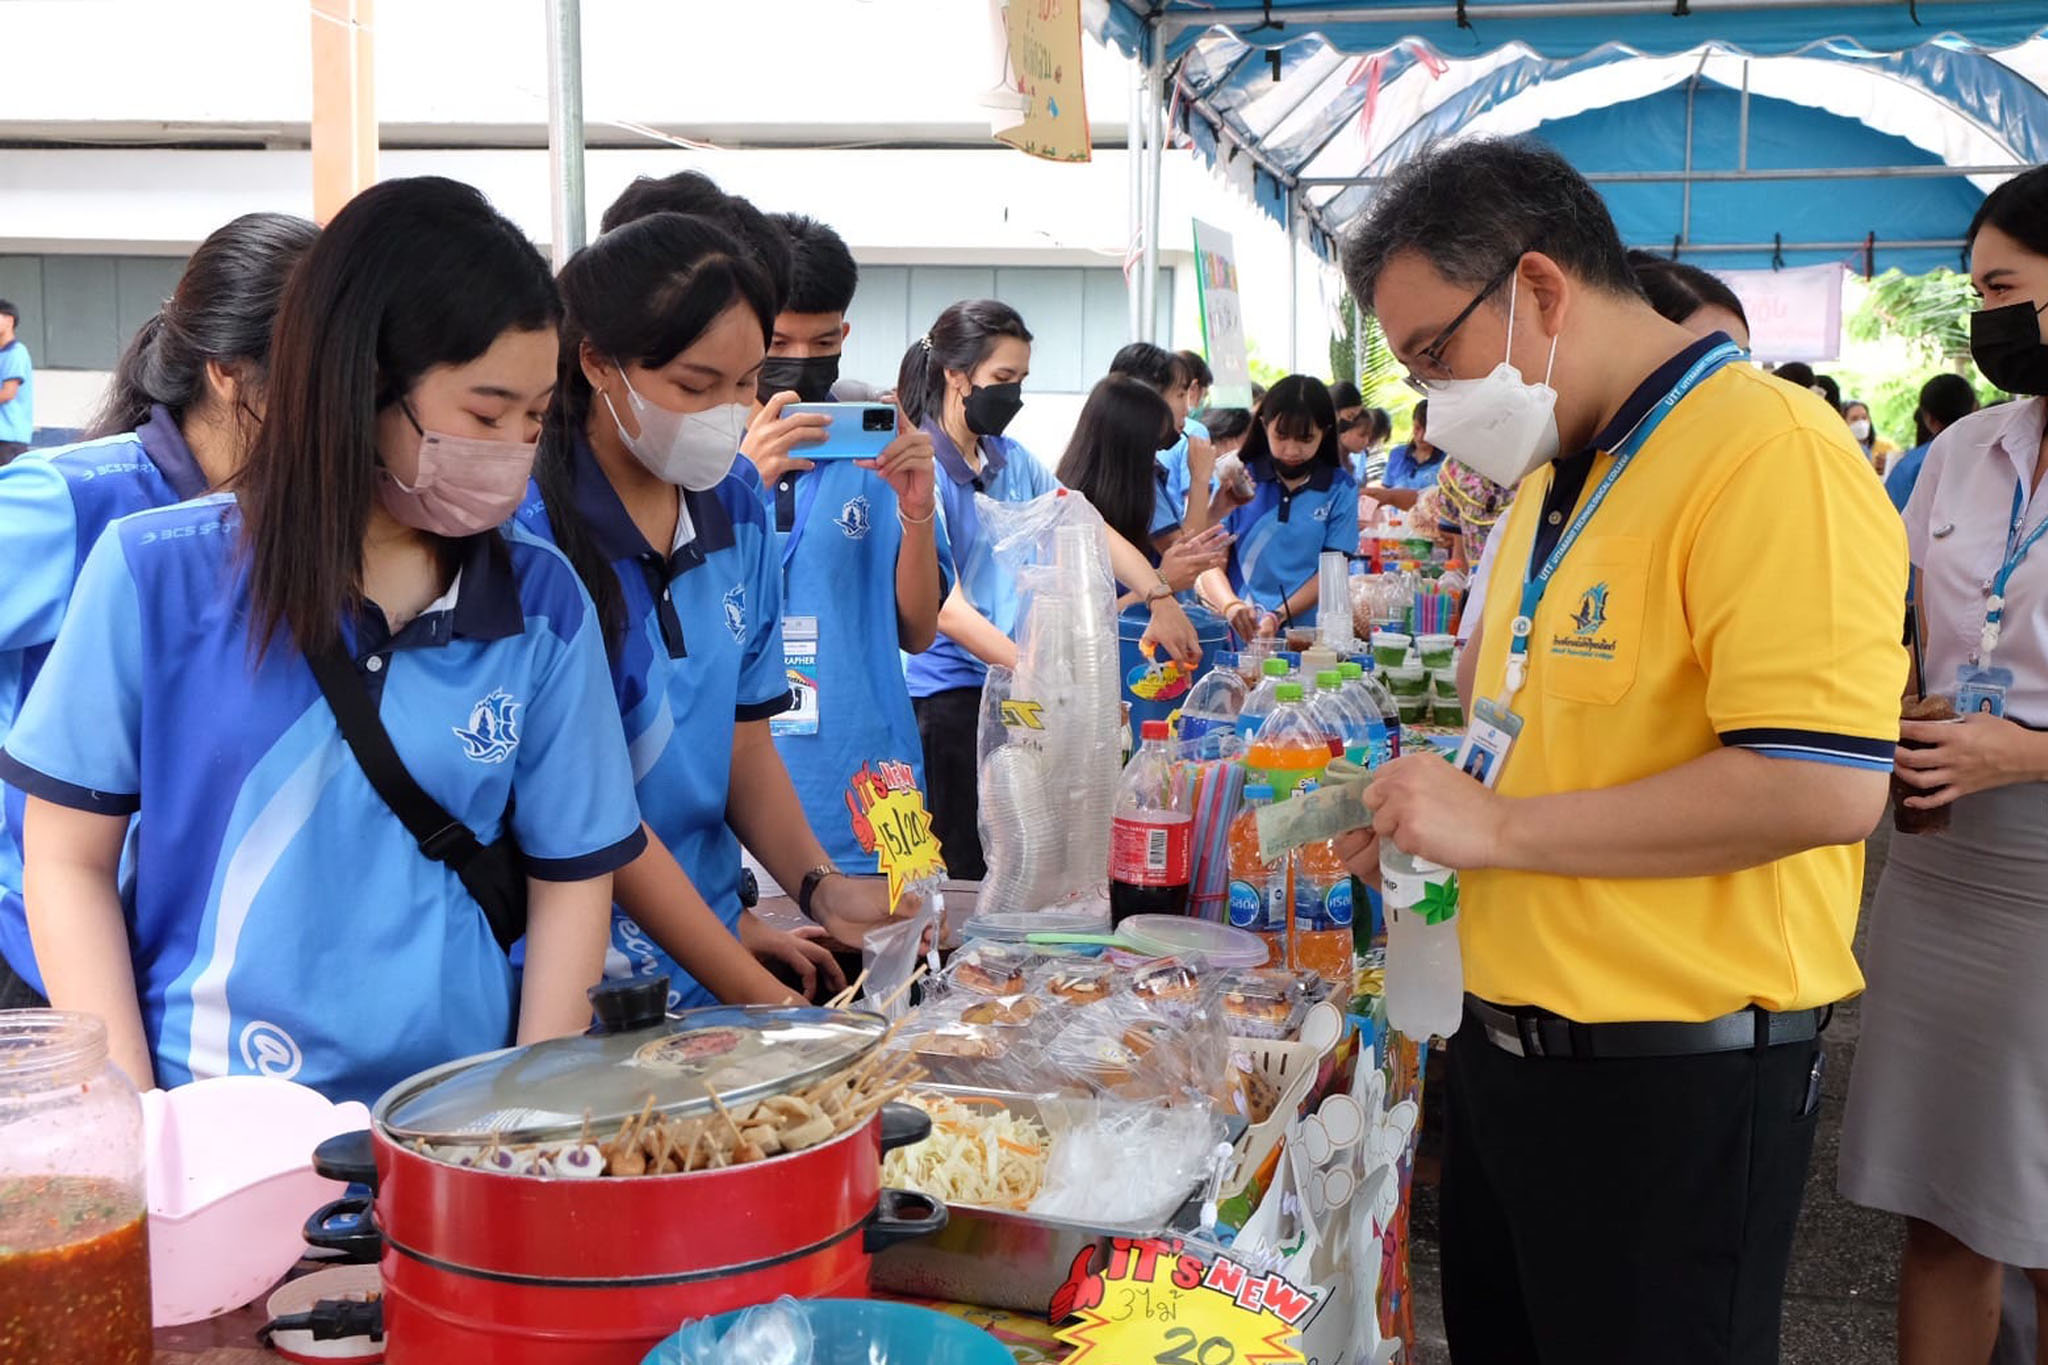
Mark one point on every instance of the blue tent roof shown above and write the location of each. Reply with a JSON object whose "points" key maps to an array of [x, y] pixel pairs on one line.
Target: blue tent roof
{"points": [[1326, 104]]}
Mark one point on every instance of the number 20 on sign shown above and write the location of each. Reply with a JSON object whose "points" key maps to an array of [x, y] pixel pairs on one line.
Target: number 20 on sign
{"points": [[1157, 1303]]}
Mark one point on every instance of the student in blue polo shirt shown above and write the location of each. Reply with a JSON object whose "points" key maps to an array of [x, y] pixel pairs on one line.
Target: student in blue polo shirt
{"points": [[1189, 462], [963, 382], [177, 421], [285, 922], [1110, 461], [857, 542], [667, 322], [1303, 503]]}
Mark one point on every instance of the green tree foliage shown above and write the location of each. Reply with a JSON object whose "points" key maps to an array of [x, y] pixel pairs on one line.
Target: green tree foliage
{"points": [[1931, 314]]}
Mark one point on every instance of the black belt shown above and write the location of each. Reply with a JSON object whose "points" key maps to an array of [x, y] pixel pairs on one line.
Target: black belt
{"points": [[1530, 1032]]}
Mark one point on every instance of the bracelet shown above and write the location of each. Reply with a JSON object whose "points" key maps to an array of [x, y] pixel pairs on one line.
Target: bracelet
{"points": [[926, 520]]}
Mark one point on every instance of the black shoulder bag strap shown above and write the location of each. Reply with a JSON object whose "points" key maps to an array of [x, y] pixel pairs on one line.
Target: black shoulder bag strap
{"points": [[490, 872]]}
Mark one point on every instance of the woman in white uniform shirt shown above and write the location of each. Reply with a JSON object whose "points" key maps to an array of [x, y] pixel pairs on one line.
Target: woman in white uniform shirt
{"points": [[1948, 1108]]}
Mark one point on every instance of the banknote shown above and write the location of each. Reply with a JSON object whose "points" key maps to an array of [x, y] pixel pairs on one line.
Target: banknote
{"points": [[1325, 813]]}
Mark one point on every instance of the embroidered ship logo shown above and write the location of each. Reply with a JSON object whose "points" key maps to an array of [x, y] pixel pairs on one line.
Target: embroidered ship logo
{"points": [[493, 730], [736, 611], [853, 518], [1592, 612]]}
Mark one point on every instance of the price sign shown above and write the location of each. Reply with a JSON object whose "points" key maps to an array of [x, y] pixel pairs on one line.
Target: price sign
{"points": [[1158, 1303], [890, 821]]}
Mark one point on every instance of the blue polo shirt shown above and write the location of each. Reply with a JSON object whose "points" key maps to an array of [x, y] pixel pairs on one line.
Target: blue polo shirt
{"points": [[1898, 484], [1009, 473], [285, 923], [1175, 462], [1281, 535], [18, 414], [1404, 472], [702, 652], [53, 507], [836, 541], [1166, 513]]}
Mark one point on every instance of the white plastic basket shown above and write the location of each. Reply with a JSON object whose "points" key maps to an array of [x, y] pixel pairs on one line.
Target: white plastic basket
{"points": [[1292, 1068]]}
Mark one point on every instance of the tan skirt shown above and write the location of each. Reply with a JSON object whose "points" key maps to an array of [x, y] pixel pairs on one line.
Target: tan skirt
{"points": [[1948, 1104]]}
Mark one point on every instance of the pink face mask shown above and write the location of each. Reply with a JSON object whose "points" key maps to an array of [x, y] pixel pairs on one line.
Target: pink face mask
{"points": [[464, 485]]}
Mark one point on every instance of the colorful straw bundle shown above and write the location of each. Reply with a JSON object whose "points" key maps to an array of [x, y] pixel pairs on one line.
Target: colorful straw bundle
{"points": [[1435, 612], [1213, 788]]}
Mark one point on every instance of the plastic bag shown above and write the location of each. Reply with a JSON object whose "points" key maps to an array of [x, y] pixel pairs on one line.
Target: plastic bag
{"points": [[890, 952], [1115, 1164], [777, 1333]]}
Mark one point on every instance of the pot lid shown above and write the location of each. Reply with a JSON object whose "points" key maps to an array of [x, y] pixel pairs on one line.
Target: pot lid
{"points": [[541, 1093]]}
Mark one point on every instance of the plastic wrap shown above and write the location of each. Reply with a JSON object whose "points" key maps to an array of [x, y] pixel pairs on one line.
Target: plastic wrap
{"points": [[890, 951], [1048, 746], [1122, 1165], [777, 1333]]}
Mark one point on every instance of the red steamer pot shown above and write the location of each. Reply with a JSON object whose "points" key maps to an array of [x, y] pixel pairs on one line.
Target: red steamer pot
{"points": [[479, 1265]]}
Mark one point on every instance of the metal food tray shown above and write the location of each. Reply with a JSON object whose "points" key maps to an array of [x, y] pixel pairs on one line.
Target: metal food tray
{"points": [[998, 1258]]}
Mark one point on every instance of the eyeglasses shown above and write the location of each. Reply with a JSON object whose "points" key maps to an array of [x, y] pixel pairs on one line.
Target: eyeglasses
{"points": [[1432, 355]]}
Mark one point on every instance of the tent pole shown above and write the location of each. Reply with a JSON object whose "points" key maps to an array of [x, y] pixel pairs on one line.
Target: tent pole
{"points": [[1357, 344], [1134, 152], [565, 127], [1742, 132], [1155, 158], [1231, 15], [1921, 172], [1293, 288], [1755, 248], [1692, 89]]}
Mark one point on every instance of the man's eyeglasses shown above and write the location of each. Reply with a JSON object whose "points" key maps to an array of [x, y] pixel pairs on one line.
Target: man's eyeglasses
{"points": [[1432, 355]]}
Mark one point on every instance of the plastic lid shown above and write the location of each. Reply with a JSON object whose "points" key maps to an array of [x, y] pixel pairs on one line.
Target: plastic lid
{"points": [[1329, 680], [1275, 668], [1288, 691], [1348, 670], [542, 1092], [1219, 945], [1151, 730]]}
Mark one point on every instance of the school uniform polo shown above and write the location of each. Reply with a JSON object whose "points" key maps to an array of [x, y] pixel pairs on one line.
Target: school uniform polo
{"points": [[1405, 471], [837, 538], [1175, 462], [1166, 514], [1282, 533], [285, 923], [53, 508], [1009, 473], [702, 652], [1741, 586]]}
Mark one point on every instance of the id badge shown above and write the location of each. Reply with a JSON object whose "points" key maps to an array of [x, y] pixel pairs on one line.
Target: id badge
{"points": [[1488, 741], [800, 665], [1981, 690]]}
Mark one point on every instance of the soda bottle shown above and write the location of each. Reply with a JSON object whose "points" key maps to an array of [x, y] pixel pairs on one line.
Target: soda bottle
{"points": [[1258, 890], [1322, 913], [1290, 747], [1425, 971], [1213, 702], [1341, 724], [1376, 709], [1152, 838], [1259, 704]]}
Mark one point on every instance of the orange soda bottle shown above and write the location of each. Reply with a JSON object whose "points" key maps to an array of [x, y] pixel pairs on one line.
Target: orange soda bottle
{"points": [[1322, 900], [1290, 748], [1258, 900]]}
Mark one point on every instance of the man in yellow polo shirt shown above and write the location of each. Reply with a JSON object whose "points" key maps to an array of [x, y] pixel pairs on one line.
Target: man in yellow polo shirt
{"points": [[1660, 889]]}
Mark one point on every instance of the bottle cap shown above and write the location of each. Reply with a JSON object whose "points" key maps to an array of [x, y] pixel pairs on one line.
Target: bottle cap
{"points": [[1348, 670], [1288, 691], [1275, 668], [1151, 730], [1329, 680]]}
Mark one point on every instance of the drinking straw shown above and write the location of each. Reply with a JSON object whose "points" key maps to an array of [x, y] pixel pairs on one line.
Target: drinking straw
{"points": [[1913, 632], [1217, 796]]}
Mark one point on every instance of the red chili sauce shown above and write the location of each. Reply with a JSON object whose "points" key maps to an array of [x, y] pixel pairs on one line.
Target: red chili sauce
{"points": [[74, 1273]]}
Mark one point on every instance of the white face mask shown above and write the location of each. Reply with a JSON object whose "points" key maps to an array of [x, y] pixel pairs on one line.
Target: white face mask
{"points": [[692, 450], [1860, 429], [1501, 427]]}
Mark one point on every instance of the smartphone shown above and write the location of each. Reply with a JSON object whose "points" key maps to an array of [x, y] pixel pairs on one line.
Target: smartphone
{"points": [[858, 431]]}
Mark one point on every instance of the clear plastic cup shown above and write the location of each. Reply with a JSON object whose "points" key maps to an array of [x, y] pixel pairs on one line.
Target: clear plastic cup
{"points": [[1408, 680], [1437, 651], [1390, 649]]}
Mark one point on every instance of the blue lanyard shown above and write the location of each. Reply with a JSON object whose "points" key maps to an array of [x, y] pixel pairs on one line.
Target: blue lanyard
{"points": [[1536, 584], [806, 499], [2015, 553]]}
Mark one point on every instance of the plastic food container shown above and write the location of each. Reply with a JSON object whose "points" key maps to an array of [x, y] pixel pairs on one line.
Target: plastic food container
{"points": [[1217, 945], [74, 1233]]}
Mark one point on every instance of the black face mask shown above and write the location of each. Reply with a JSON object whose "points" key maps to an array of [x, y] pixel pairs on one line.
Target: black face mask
{"points": [[2006, 344], [810, 376], [991, 406]]}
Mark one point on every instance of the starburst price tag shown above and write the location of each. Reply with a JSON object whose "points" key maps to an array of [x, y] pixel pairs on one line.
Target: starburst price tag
{"points": [[890, 821], [1160, 1303]]}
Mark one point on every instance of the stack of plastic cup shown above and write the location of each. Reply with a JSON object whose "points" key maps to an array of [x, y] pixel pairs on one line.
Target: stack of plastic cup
{"points": [[1017, 840], [1333, 610]]}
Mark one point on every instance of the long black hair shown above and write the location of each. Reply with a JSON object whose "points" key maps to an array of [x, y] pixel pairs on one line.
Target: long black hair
{"points": [[697, 195], [961, 339], [1114, 450], [1298, 405], [1947, 399], [221, 311], [641, 294], [2019, 209], [411, 275], [1164, 370], [1677, 290]]}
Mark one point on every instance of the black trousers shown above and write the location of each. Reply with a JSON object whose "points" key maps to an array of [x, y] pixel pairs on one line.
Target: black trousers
{"points": [[17, 994], [1621, 1212], [947, 723]]}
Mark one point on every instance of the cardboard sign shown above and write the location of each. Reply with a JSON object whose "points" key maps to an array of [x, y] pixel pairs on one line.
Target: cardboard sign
{"points": [[1042, 69], [1222, 318], [890, 821], [1158, 1301], [1793, 314]]}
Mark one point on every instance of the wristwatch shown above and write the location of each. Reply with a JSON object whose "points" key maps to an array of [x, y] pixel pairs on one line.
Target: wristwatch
{"points": [[811, 882]]}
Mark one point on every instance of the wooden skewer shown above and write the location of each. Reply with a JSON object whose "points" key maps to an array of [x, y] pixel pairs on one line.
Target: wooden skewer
{"points": [[851, 993], [898, 993], [725, 1114]]}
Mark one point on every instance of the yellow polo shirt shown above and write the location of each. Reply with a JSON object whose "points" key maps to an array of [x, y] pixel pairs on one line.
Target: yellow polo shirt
{"points": [[1742, 585]]}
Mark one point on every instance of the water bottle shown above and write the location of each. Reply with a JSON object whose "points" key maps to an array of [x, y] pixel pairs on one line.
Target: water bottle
{"points": [[1383, 701], [1291, 747], [1339, 717], [1379, 715], [1152, 838], [1214, 702], [1425, 971], [1260, 703], [1321, 941], [1258, 889]]}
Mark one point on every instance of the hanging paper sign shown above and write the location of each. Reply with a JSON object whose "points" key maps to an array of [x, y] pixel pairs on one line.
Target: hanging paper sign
{"points": [[1222, 317], [1044, 110], [1159, 1303], [1793, 314], [890, 821]]}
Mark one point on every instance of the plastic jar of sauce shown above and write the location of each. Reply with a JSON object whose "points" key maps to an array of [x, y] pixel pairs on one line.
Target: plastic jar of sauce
{"points": [[74, 1246]]}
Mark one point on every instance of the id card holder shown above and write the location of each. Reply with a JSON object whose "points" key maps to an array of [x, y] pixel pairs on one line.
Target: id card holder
{"points": [[1488, 741], [800, 665], [1981, 690]]}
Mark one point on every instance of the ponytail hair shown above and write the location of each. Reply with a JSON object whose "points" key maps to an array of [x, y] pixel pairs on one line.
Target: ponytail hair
{"points": [[960, 340], [221, 312]]}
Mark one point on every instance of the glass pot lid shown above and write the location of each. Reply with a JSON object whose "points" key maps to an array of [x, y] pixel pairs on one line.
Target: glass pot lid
{"points": [[543, 1092]]}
